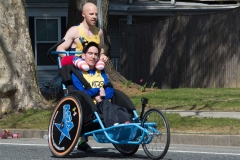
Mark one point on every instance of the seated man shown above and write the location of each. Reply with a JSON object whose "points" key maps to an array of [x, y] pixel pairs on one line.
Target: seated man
{"points": [[97, 79]]}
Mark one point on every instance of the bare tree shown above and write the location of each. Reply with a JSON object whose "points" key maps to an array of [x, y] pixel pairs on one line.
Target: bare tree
{"points": [[18, 82], [75, 17]]}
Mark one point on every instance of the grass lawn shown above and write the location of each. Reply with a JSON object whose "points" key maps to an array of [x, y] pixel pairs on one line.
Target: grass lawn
{"points": [[170, 99], [220, 99]]}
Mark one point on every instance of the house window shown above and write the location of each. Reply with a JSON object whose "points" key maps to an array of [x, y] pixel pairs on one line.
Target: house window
{"points": [[47, 34], [47, 29]]}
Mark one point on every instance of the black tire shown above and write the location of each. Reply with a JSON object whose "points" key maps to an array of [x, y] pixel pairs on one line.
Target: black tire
{"points": [[127, 149], [65, 126], [156, 146]]}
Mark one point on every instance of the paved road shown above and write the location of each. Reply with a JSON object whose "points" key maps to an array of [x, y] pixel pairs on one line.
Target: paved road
{"points": [[33, 149]]}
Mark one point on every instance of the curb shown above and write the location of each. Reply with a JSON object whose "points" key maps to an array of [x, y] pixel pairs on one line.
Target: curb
{"points": [[192, 139], [27, 133], [203, 139], [212, 114]]}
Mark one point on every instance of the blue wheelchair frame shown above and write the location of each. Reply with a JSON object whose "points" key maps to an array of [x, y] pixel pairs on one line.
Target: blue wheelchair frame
{"points": [[126, 138]]}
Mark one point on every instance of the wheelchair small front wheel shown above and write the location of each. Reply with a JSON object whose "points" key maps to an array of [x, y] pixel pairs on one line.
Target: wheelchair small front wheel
{"points": [[65, 126], [156, 143]]}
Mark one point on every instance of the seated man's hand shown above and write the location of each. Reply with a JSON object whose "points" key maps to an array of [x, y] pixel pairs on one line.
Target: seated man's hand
{"points": [[102, 92], [98, 99]]}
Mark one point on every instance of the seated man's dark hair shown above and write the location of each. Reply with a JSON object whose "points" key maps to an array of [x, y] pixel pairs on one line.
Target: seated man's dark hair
{"points": [[90, 44]]}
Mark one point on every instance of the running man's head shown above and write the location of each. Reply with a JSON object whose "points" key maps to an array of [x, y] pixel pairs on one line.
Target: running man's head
{"points": [[90, 13]]}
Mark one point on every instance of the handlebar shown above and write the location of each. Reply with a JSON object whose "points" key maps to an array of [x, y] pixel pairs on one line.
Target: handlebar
{"points": [[51, 51], [53, 47], [144, 102]]}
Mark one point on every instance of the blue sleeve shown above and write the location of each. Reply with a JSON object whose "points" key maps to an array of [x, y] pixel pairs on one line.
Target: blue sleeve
{"points": [[92, 92], [109, 90]]}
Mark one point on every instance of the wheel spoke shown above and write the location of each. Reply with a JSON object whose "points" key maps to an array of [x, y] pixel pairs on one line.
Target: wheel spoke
{"points": [[156, 144]]}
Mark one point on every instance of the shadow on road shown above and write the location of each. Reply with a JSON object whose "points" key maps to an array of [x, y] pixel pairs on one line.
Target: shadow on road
{"points": [[106, 153]]}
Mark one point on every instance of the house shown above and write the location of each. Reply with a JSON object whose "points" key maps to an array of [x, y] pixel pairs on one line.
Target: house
{"points": [[47, 21]]}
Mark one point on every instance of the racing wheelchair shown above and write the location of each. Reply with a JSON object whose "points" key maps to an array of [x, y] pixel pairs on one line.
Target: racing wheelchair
{"points": [[76, 115]]}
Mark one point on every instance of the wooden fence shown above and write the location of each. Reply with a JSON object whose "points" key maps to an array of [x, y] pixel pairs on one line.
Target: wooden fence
{"points": [[200, 51]]}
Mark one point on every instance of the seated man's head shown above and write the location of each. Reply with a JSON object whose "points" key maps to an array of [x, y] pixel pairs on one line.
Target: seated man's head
{"points": [[90, 54]]}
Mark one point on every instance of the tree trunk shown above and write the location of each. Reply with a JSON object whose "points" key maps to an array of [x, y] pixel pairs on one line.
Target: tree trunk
{"points": [[18, 83], [75, 11], [113, 75]]}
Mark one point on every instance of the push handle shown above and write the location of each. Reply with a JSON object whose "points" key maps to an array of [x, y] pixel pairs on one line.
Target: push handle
{"points": [[51, 49]]}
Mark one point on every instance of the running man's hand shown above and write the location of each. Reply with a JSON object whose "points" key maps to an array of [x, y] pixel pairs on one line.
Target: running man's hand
{"points": [[103, 57]]}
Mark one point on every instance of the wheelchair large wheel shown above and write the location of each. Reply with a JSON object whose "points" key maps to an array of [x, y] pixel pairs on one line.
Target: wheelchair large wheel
{"points": [[127, 149], [156, 144], [65, 126]]}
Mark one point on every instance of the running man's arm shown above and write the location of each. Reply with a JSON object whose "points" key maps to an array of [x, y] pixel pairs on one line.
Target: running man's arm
{"points": [[69, 38]]}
